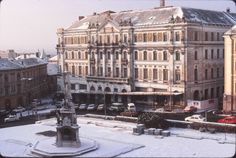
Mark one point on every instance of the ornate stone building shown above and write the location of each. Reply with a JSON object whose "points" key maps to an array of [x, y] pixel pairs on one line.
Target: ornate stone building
{"points": [[230, 70], [21, 81], [154, 57]]}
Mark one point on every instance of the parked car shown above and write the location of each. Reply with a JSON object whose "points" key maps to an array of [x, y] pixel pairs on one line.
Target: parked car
{"points": [[195, 118], [118, 107], [131, 107], [11, 118], [91, 107], [83, 107], [190, 109], [100, 107], [228, 119], [19, 109]]}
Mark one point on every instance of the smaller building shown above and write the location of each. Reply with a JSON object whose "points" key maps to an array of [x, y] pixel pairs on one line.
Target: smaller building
{"points": [[230, 70], [21, 81]]}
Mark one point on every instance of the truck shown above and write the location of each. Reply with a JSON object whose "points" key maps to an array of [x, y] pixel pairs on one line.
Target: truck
{"points": [[210, 104]]}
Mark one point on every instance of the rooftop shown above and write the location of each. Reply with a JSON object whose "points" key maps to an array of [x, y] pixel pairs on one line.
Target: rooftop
{"points": [[157, 16]]}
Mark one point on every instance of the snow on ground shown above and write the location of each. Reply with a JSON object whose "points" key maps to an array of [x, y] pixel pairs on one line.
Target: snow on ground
{"points": [[116, 139]]}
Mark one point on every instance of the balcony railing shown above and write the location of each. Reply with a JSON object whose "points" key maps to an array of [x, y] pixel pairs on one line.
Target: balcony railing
{"points": [[108, 79]]}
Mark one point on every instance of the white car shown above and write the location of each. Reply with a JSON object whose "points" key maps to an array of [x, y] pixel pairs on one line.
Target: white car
{"points": [[82, 107], [195, 118], [91, 107], [131, 107], [19, 109], [100, 107], [11, 118]]}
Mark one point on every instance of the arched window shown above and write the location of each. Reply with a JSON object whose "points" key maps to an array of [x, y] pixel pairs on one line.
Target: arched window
{"points": [[145, 55], [72, 55], [79, 55], [177, 56], [154, 55], [164, 55]]}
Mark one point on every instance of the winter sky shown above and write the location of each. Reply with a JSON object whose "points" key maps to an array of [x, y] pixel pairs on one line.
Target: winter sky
{"points": [[29, 25]]}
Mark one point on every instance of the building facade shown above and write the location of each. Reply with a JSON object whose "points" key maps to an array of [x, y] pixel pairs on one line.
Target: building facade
{"points": [[21, 81], [230, 70], [160, 56]]}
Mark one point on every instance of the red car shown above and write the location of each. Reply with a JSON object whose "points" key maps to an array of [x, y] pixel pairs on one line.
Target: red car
{"points": [[228, 119]]}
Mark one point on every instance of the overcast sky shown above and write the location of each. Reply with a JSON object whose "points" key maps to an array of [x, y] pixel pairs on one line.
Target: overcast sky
{"points": [[29, 25]]}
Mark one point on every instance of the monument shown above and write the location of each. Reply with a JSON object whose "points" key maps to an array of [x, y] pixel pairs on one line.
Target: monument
{"points": [[67, 127]]}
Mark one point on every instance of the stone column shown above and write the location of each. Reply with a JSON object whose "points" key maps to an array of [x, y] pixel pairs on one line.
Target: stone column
{"points": [[89, 64], [96, 63], [104, 63], [112, 64], [128, 64], [120, 64]]}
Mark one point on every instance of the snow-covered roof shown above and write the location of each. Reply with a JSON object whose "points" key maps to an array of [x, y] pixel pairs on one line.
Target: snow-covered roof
{"points": [[52, 69], [6, 64], [54, 58], [157, 16]]}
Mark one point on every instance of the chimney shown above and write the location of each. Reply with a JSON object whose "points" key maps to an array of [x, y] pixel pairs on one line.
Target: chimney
{"points": [[81, 17], [228, 10], [162, 3]]}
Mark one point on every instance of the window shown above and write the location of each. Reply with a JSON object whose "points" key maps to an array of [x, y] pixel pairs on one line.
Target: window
{"points": [[108, 55], [72, 86], [165, 74], [218, 53], [80, 70], [195, 55], [86, 55], [108, 39], [136, 73], [92, 56], [177, 74], [145, 73], [177, 56], [135, 37], [206, 74], [195, 36], [164, 36], [206, 54], [145, 55], [100, 39], [177, 36], [116, 39], [218, 36], [212, 93], [73, 70], [125, 38], [223, 53], [164, 55], [154, 55], [124, 72], [117, 72], [154, 37], [218, 72], [212, 36], [144, 37], [217, 92], [206, 36], [79, 55], [154, 74], [212, 73], [124, 55], [206, 93], [136, 55], [195, 74], [72, 55], [101, 56], [117, 55], [86, 70], [212, 53], [100, 72]]}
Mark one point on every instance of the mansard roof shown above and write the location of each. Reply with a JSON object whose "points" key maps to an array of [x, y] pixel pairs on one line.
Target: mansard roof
{"points": [[156, 16]]}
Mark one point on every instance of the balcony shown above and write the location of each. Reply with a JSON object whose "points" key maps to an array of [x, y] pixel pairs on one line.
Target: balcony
{"points": [[107, 79]]}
